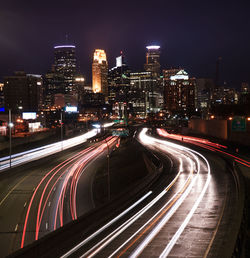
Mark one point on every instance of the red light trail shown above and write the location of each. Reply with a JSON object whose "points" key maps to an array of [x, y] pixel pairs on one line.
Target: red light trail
{"points": [[215, 147], [70, 172]]}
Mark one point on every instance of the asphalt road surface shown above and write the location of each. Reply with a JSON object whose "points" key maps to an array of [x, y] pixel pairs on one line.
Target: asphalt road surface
{"points": [[192, 212], [42, 196], [192, 216]]}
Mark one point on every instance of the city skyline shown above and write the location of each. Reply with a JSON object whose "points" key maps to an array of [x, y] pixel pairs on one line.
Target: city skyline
{"points": [[188, 38]]}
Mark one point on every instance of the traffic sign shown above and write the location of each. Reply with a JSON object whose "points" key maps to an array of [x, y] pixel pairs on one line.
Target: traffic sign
{"points": [[239, 124]]}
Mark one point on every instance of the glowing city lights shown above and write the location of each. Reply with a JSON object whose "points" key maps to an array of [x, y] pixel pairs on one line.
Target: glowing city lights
{"points": [[100, 56], [154, 47]]}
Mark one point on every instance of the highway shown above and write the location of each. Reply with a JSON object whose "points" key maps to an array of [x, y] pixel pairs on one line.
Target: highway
{"points": [[46, 150], [39, 197], [191, 211], [192, 216]]}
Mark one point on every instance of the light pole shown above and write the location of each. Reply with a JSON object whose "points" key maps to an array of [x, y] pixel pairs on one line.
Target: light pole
{"points": [[61, 131], [10, 128], [108, 171]]}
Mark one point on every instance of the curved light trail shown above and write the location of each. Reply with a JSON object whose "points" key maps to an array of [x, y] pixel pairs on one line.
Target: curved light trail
{"points": [[46, 150], [204, 144], [65, 177], [183, 183]]}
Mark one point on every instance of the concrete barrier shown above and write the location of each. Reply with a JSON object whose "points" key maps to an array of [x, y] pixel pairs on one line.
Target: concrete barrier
{"points": [[28, 139], [221, 129]]}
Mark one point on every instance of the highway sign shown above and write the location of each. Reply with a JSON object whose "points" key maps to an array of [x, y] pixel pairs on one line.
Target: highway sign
{"points": [[239, 124]]}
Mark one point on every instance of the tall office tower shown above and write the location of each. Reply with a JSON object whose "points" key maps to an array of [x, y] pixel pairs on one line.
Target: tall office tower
{"points": [[100, 73], [119, 86], [153, 60], [120, 61], [65, 64], [142, 97], [180, 93], [23, 91]]}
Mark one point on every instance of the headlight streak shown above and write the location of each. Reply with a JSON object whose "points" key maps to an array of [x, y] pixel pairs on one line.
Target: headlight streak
{"points": [[155, 218], [44, 151], [131, 220], [119, 230], [176, 236], [105, 226], [156, 230], [179, 196]]}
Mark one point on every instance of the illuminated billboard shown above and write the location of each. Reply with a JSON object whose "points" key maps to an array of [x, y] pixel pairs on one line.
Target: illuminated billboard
{"points": [[29, 115], [71, 109]]}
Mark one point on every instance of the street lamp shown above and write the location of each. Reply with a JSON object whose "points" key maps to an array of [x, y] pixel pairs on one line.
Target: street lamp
{"points": [[10, 129], [108, 170], [61, 122]]}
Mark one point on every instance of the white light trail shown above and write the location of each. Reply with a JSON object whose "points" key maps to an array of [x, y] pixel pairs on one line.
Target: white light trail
{"points": [[176, 236], [166, 218], [181, 194], [106, 226], [46, 150], [129, 222]]}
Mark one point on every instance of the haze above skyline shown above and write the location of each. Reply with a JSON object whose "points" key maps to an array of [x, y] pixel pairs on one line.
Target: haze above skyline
{"points": [[192, 34]]}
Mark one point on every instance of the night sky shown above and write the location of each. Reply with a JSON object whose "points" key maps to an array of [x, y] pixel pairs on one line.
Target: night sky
{"points": [[192, 34]]}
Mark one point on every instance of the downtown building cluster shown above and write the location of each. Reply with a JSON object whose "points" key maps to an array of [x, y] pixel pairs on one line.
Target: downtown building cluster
{"points": [[116, 92]]}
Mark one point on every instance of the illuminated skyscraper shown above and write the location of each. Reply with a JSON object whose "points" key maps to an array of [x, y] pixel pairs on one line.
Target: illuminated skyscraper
{"points": [[100, 72], [65, 64], [153, 60], [180, 93]]}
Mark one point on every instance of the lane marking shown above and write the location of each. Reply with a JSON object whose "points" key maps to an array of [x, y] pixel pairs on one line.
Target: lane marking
{"points": [[216, 229], [16, 227], [25, 204], [176, 236], [7, 195]]}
